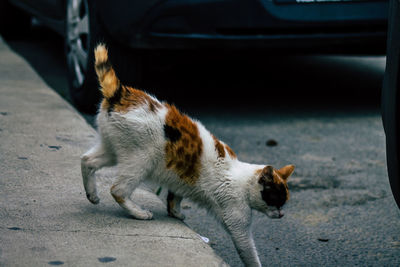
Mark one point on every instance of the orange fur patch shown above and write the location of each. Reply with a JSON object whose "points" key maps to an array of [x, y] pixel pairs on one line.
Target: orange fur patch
{"points": [[101, 53], [258, 172], [119, 199], [219, 147], [116, 97], [104, 104], [230, 151], [133, 98], [109, 83], [183, 154], [108, 80]]}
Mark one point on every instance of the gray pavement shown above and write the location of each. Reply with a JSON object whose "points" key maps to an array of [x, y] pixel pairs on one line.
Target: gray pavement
{"points": [[341, 211], [322, 113], [45, 218]]}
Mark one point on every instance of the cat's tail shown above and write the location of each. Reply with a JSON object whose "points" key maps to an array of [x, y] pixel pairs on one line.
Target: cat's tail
{"points": [[108, 80]]}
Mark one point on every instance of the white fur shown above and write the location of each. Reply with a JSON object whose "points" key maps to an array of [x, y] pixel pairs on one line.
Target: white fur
{"points": [[135, 141]]}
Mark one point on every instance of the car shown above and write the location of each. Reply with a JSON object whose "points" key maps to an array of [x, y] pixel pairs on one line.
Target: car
{"points": [[390, 100], [141, 27]]}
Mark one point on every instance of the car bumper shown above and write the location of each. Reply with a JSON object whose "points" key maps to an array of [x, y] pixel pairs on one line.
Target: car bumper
{"points": [[244, 23]]}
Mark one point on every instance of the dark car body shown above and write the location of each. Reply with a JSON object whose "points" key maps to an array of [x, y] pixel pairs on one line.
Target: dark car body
{"points": [[391, 100], [133, 29], [251, 24], [50, 12], [182, 24]]}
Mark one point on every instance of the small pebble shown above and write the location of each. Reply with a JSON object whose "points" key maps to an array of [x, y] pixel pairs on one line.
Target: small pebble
{"points": [[271, 142], [107, 259], [14, 228], [55, 262]]}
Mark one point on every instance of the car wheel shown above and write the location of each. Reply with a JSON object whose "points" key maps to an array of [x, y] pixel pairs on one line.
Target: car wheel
{"points": [[83, 32], [391, 100], [81, 36]]}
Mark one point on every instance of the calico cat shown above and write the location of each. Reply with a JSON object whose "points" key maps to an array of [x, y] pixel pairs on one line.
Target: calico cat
{"points": [[152, 140]]}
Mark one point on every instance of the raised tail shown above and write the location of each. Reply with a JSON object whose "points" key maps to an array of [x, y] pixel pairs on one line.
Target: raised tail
{"points": [[108, 80]]}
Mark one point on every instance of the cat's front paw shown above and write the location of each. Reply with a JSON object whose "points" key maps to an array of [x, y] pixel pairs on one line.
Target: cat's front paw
{"points": [[93, 198]]}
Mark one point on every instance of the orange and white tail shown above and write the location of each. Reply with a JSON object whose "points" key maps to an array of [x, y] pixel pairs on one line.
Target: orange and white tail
{"points": [[108, 80]]}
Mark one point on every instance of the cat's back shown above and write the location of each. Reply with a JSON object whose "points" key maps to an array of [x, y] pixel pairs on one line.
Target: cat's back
{"points": [[183, 145], [133, 120]]}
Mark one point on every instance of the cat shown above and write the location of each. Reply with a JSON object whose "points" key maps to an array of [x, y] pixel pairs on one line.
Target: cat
{"points": [[152, 140]]}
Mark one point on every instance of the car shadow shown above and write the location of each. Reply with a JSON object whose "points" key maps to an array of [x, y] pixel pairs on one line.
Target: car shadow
{"points": [[212, 81]]}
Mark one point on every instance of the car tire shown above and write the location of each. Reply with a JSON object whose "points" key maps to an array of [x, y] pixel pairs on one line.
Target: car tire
{"points": [[83, 32], [81, 35], [391, 100]]}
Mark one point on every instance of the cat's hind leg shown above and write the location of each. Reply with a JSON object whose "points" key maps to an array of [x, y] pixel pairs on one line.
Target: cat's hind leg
{"points": [[174, 206], [129, 178], [94, 159]]}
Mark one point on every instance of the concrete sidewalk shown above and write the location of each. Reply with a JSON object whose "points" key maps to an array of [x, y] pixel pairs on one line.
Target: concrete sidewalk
{"points": [[45, 218]]}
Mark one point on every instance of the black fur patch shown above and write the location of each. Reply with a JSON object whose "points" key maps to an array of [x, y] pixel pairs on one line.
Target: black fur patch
{"points": [[115, 98], [275, 195], [170, 197], [172, 133], [104, 66]]}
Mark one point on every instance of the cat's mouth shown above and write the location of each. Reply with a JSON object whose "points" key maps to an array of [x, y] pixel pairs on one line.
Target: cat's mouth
{"points": [[275, 213]]}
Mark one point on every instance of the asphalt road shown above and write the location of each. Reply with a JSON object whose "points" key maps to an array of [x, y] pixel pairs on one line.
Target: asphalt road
{"points": [[320, 113]]}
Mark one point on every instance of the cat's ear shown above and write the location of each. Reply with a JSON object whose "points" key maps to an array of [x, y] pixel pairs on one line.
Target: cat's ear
{"points": [[286, 171], [266, 175]]}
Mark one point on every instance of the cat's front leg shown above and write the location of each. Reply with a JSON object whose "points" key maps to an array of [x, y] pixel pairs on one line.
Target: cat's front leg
{"points": [[174, 206], [237, 222], [246, 248]]}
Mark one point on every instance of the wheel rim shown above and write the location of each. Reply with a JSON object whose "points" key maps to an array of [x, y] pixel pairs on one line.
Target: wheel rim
{"points": [[77, 40]]}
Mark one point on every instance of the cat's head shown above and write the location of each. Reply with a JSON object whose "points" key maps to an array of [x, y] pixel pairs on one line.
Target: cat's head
{"points": [[271, 191]]}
